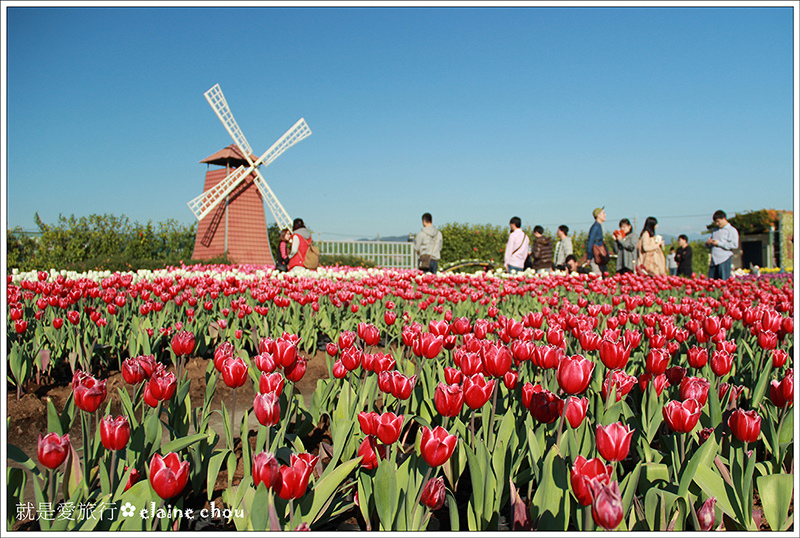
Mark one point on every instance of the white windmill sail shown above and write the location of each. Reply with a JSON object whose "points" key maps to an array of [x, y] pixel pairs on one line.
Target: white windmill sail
{"points": [[203, 204]]}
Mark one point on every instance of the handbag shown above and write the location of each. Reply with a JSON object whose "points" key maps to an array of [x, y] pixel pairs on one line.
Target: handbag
{"points": [[600, 253], [424, 261]]}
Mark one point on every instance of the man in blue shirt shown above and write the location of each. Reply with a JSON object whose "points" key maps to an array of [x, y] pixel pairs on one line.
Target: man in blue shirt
{"points": [[596, 238], [722, 243]]}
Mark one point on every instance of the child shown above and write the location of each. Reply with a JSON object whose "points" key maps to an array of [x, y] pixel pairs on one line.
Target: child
{"points": [[285, 245]]}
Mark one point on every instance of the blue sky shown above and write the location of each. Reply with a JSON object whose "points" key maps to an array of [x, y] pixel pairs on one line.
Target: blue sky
{"points": [[474, 114]]}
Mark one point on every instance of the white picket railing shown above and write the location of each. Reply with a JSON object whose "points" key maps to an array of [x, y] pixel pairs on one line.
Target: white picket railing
{"points": [[390, 254]]}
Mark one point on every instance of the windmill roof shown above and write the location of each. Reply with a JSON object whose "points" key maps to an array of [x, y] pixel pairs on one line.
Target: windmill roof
{"points": [[230, 155]]}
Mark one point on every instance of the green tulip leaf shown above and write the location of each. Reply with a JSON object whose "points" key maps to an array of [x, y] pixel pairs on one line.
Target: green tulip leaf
{"points": [[703, 456], [776, 496], [385, 484], [325, 489]]}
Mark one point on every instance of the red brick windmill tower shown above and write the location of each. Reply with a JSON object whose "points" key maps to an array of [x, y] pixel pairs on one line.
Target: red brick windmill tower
{"points": [[231, 209]]}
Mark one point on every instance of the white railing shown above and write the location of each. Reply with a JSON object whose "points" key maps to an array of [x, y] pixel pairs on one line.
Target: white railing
{"points": [[391, 254]]}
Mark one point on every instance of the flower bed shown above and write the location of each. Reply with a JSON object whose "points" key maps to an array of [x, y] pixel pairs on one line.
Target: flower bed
{"points": [[480, 402]]}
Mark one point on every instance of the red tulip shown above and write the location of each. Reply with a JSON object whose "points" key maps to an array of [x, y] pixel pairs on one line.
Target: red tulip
{"points": [[496, 359], [682, 417], [694, 387], [771, 321], [555, 337], [148, 397], [285, 352], [575, 374], [657, 361], [132, 371], [183, 343], [613, 441], [266, 469], [614, 355], [52, 449], [575, 410], [234, 372], [697, 356], [293, 480], [582, 472], [428, 345], [388, 427], [477, 391], [168, 475], [267, 408], [707, 514], [21, 326], [452, 376], [449, 399], [721, 363], [389, 317], [265, 362], [296, 371], [332, 349], [115, 433], [367, 422], [148, 364], [270, 383], [370, 451], [510, 379], [369, 334], [545, 406], [675, 375], [132, 478], [711, 325], [781, 393], [339, 371], [607, 509], [779, 357], [346, 339], [162, 384], [548, 357], [89, 392], [223, 352], [767, 340], [433, 494], [58, 323], [659, 382], [437, 445], [73, 317], [620, 381], [351, 358], [745, 425]]}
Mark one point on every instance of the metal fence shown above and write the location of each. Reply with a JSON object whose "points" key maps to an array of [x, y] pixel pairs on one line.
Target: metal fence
{"points": [[390, 254]]}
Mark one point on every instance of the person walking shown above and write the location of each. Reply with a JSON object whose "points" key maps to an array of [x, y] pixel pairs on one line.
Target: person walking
{"points": [[542, 251], [516, 247], [722, 243], [649, 247], [596, 239], [301, 239], [625, 247], [563, 247], [428, 244], [683, 257]]}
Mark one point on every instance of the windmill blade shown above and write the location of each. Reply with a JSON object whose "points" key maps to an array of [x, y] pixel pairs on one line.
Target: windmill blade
{"points": [[280, 214], [206, 202], [295, 134], [217, 101]]}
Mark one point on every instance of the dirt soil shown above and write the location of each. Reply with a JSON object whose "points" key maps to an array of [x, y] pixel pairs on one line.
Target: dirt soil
{"points": [[28, 415]]}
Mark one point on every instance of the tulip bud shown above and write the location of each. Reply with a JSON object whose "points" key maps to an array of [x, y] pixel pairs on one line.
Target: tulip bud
{"points": [[433, 494], [115, 433], [706, 514], [607, 509], [52, 449], [745, 425], [168, 475]]}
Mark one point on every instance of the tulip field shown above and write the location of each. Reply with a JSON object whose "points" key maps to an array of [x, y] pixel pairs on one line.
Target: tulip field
{"points": [[451, 402]]}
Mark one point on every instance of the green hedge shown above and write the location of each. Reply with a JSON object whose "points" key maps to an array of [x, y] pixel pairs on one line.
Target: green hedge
{"points": [[100, 242]]}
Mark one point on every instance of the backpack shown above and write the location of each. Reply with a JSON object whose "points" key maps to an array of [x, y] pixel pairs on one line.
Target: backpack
{"points": [[311, 260]]}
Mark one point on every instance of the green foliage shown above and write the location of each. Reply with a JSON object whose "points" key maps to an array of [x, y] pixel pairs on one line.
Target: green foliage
{"points": [[467, 241], [101, 242], [755, 222]]}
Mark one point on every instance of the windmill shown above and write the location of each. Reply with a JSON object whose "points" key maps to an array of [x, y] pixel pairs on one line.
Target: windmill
{"points": [[235, 198]]}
